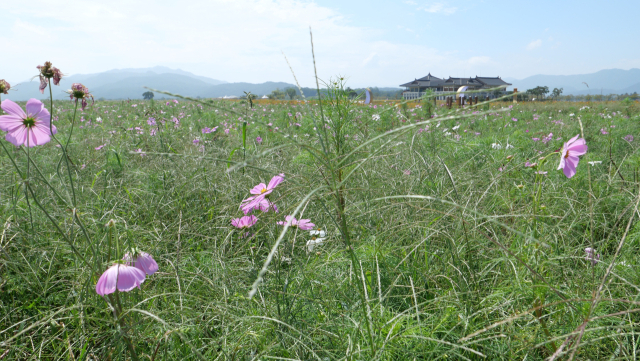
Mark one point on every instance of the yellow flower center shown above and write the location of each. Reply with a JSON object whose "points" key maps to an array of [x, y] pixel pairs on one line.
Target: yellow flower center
{"points": [[263, 190]]}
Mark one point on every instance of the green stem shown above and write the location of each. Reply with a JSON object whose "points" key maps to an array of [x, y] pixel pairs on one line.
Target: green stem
{"points": [[55, 223], [117, 310], [66, 157]]}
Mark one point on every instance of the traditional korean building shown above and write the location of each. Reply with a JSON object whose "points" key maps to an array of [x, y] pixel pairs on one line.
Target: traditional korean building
{"points": [[416, 88]]}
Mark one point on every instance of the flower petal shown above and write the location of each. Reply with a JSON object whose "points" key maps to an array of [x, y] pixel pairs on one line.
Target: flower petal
{"points": [[8, 122], [129, 278], [570, 141], [258, 189], [17, 137], [570, 167], [34, 107], [146, 263], [107, 282], [13, 109], [275, 181]]}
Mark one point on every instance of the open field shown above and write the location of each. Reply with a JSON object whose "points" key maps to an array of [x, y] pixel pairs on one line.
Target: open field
{"points": [[439, 241]]}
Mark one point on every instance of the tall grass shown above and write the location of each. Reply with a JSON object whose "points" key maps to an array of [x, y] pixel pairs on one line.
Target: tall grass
{"points": [[440, 246]]}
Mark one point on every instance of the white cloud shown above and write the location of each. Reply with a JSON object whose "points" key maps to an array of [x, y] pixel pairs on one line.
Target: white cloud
{"points": [[369, 58], [436, 8], [534, 44], [232, 40]]}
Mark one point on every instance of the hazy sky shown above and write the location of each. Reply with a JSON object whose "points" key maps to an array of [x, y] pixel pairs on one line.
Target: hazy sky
{"points": [[383, 43]]}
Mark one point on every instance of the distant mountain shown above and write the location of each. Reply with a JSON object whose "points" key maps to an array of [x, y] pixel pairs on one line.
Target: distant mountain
{"points": [[130, 83], [606, 81]]}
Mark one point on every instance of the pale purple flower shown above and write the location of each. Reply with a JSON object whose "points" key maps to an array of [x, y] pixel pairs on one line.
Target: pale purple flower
{"points": [[196, 141], [31, 128], [530, 165], [303, 224], [629, 138], [120, 276], [151, 121], [100, 146], [142, 261], [244, 222], [569, 155], [592, 256], [603, 131], [541, 172], [259, 140], [226, 131], [261, 191]]}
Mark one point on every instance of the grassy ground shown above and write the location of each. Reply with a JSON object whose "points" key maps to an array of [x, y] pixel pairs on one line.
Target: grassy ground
{"points": [[440, 244]]}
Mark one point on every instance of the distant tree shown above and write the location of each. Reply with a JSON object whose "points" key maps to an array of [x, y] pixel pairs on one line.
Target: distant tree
{"points": [[147, 95], [291, 92], [276, 94], [351, 93], [557, 92], [540, 91]]}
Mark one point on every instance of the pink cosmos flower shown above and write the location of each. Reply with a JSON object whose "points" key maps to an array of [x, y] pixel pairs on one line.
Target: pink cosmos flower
{"points": [[569, 155], [591, 255], [31, 128], [629, 138], [142, 261], [604, 132], [261, 192], [259, 140], [244, 222], [120, 276], [48, 71], [303, 224]]}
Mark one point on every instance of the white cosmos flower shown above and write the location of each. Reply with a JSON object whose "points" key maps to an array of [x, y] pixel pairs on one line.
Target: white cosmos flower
{"points": [[317, 238], [496, 146], [455, 128], [595, 162], [375, 117], [509, 146]]}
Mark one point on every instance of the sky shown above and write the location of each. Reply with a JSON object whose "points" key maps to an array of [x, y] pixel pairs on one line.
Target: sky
{"points": [[370, 43]]}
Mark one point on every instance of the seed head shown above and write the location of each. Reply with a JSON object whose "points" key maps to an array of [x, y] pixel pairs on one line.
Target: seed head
{"points": [[4, 87]]}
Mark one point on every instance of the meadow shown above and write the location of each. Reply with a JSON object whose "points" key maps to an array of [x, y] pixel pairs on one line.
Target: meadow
{"points": [[421, 233]]}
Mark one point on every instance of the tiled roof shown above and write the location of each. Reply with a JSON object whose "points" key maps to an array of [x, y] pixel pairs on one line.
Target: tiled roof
{"points": [[432, 81]]}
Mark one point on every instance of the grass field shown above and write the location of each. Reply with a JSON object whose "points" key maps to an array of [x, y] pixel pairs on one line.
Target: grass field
{"points": [[440, 242]]}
